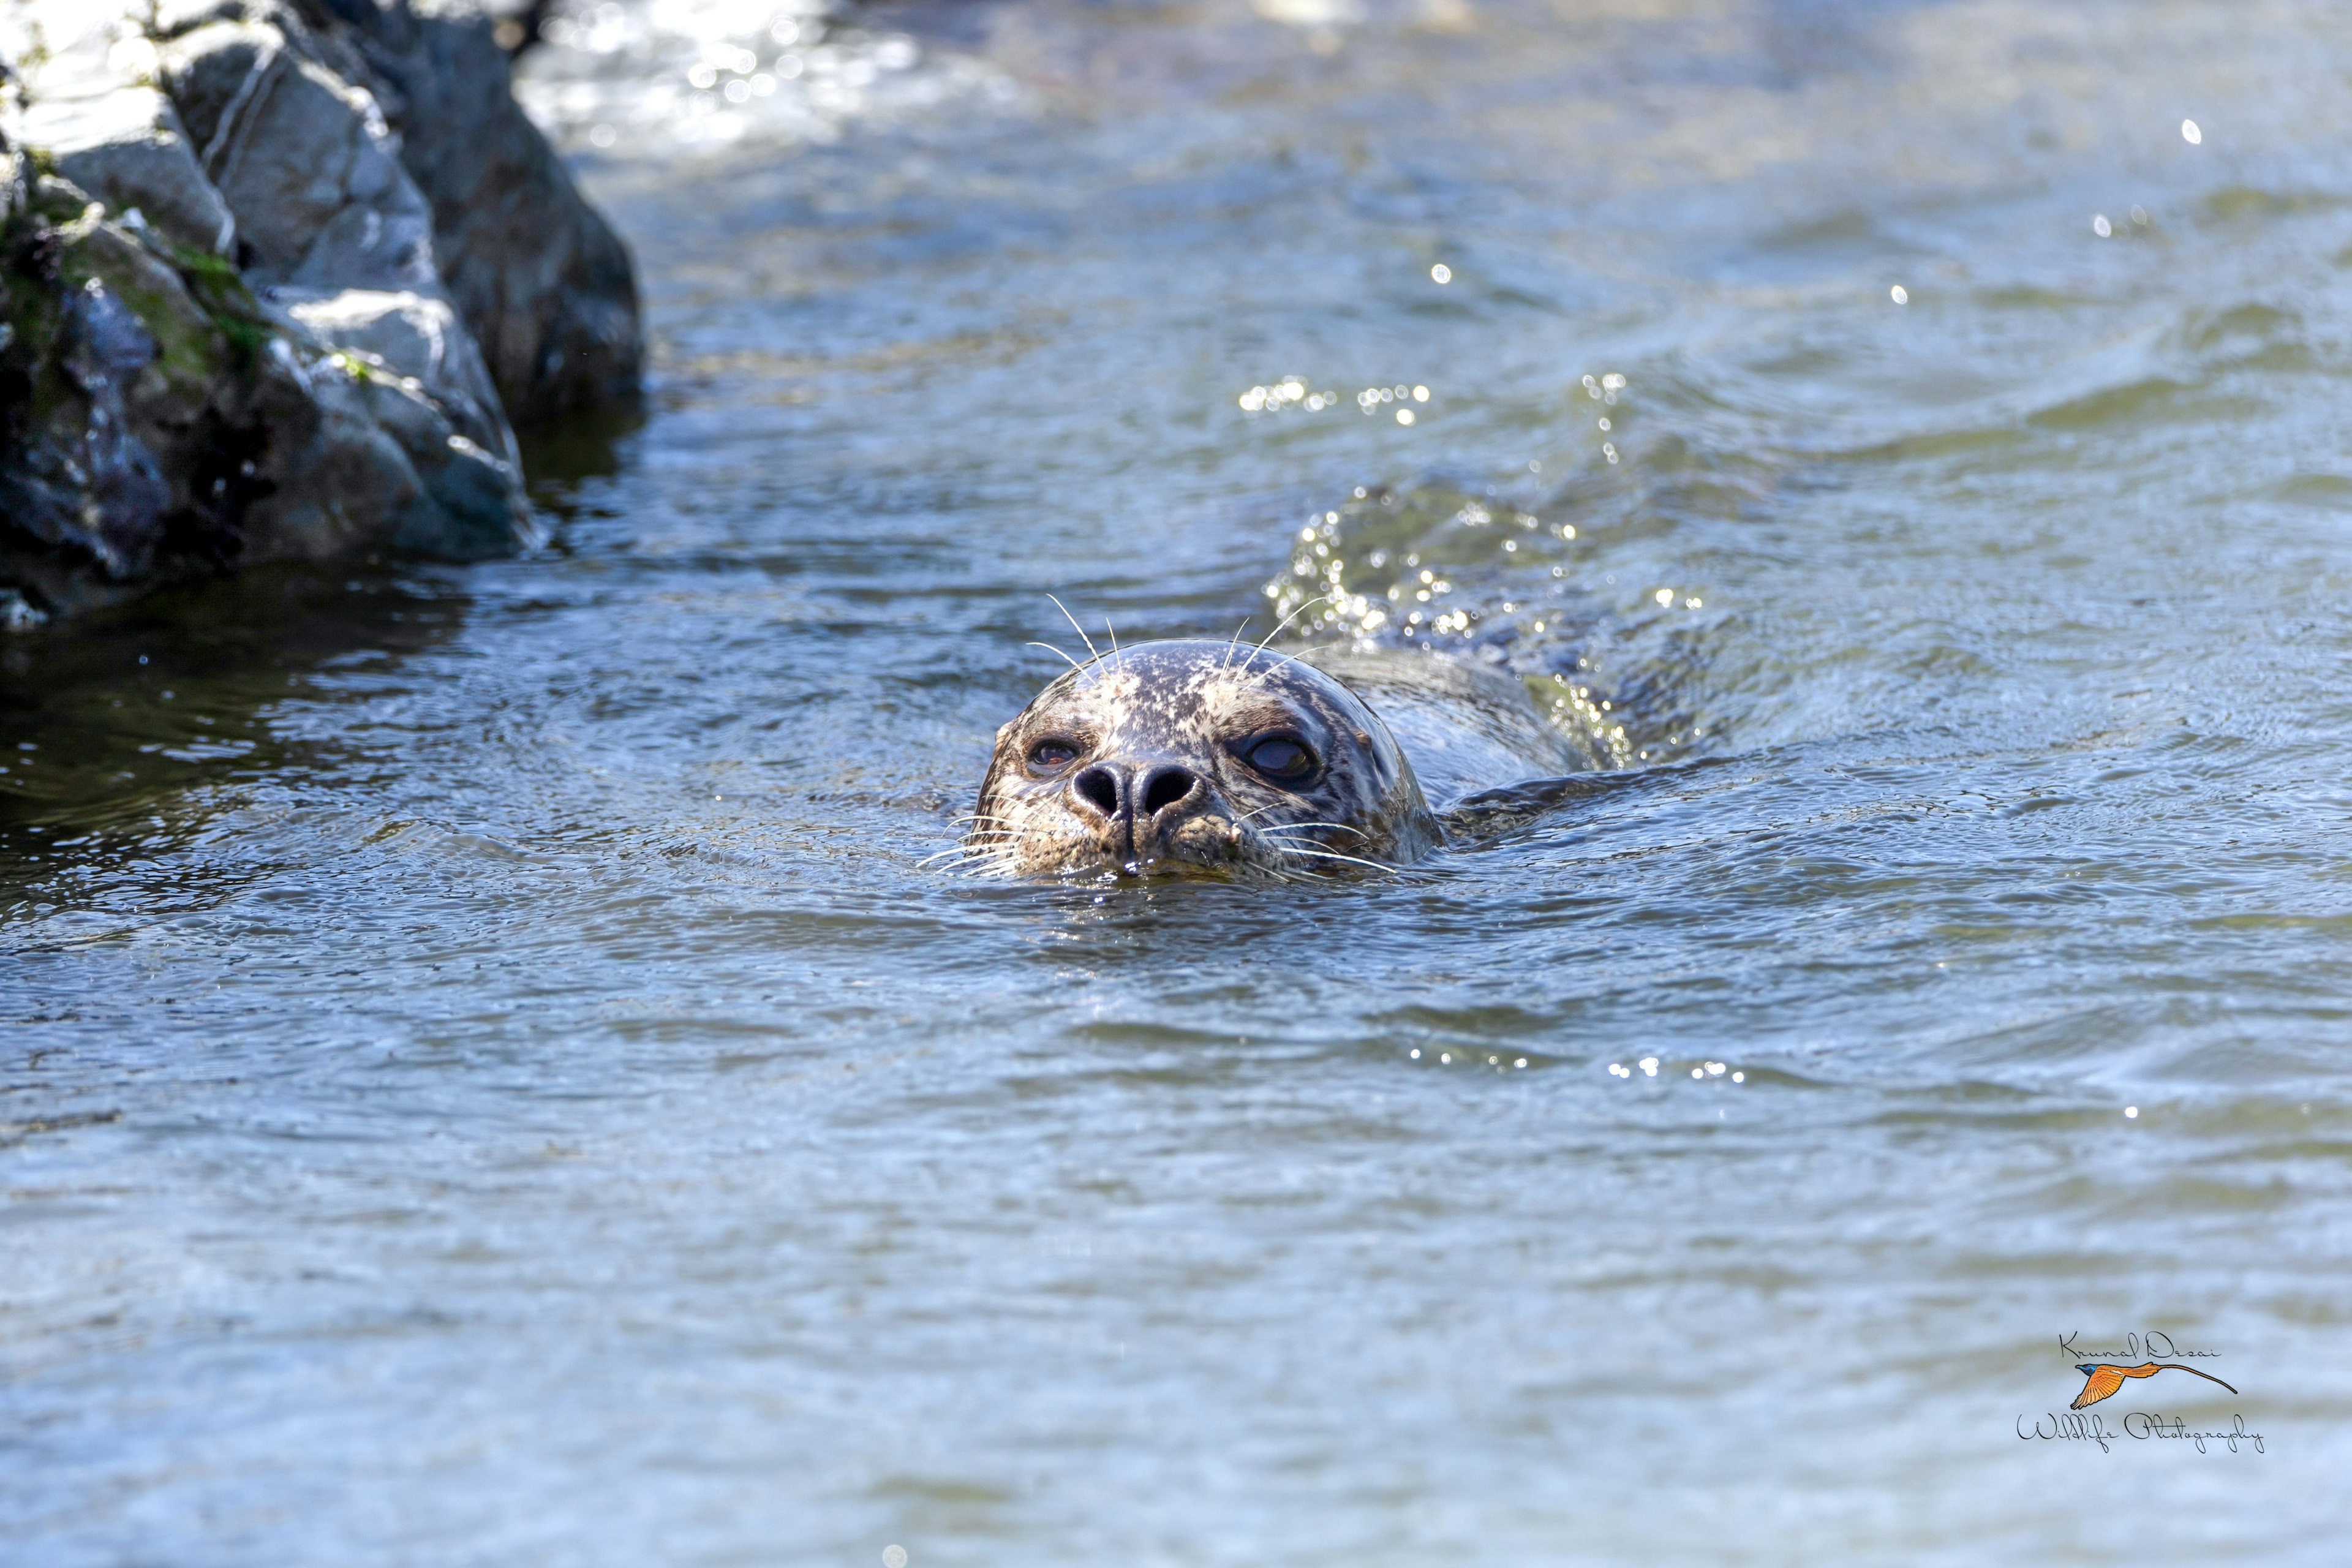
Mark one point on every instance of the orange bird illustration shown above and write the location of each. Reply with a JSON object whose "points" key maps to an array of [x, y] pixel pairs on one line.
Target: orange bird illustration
{"points": [[2103, 1381]]}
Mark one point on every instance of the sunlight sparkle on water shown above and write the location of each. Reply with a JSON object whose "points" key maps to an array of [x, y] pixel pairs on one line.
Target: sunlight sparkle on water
{"points": [[1280, 395]]}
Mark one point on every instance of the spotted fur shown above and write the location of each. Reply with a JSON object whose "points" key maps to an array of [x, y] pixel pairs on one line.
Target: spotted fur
{"points": [[1160, 715]]}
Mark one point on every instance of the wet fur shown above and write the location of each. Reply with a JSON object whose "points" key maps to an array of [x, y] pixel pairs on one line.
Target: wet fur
{"points": [[1190, 704]]}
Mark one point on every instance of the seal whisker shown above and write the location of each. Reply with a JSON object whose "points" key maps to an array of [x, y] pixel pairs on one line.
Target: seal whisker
{"points": [[1049, 648], [1280, 660], [1281, 849], [1318, 599], [965, 850], [997, 843], [985, 847], [1233, 644], [995, 865], [1282, 845], [994, 844], [1342, 826], [980, 858], [1078, 628], [1295, 838], [1117, 656]]}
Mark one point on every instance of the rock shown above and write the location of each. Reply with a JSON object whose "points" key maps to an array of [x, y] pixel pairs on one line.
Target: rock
{"points": [[415, 336], [542, 282], [127, 148], [305, 154], [89, 328], [304, 160], [173, 421], [360, 460], [234, 326]]}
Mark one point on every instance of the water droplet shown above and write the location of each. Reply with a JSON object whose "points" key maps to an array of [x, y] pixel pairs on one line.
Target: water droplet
{"points": [[1443, 274], [2190, 133], [1899, 294]]}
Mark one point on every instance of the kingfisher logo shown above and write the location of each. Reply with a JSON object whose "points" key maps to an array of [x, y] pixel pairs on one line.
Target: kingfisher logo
{"points": [[2106, 1372], [2100, 1382]]}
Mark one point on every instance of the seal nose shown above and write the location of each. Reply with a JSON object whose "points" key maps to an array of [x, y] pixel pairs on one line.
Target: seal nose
{"points": [[1165, 789], [1140, 804], [1100, 787]]}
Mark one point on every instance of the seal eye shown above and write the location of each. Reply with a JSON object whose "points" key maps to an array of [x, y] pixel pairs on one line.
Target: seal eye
{"points": [[1285, 759], [1052, 754]]}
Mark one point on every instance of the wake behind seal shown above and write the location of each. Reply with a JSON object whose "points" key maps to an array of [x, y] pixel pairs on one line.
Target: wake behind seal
{"points": [[1224, 760]]}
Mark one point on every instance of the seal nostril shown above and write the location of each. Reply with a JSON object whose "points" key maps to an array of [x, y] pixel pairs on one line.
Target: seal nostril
{"points": [[1099, 789], [1165, 788]]}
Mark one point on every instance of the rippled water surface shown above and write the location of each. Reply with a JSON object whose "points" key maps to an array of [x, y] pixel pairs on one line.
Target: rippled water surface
{"points": [[491, 1081]]}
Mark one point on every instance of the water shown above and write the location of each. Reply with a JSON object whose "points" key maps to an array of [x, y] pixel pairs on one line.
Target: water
{"points": [[492, 1080]]}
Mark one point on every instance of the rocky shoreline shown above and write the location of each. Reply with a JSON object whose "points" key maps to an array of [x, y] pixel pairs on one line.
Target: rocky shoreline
{"points": [[277, 280]]}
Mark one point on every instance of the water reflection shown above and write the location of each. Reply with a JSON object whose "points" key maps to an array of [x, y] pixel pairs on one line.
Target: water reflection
{"points": [[703, 75], [135, 729]]}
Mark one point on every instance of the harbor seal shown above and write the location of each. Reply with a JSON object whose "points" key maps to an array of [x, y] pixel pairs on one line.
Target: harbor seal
{"points": [[1223, 760]]}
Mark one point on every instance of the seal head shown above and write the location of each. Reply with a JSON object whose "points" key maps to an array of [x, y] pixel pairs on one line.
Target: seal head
{"points": [[1198, 759]]}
